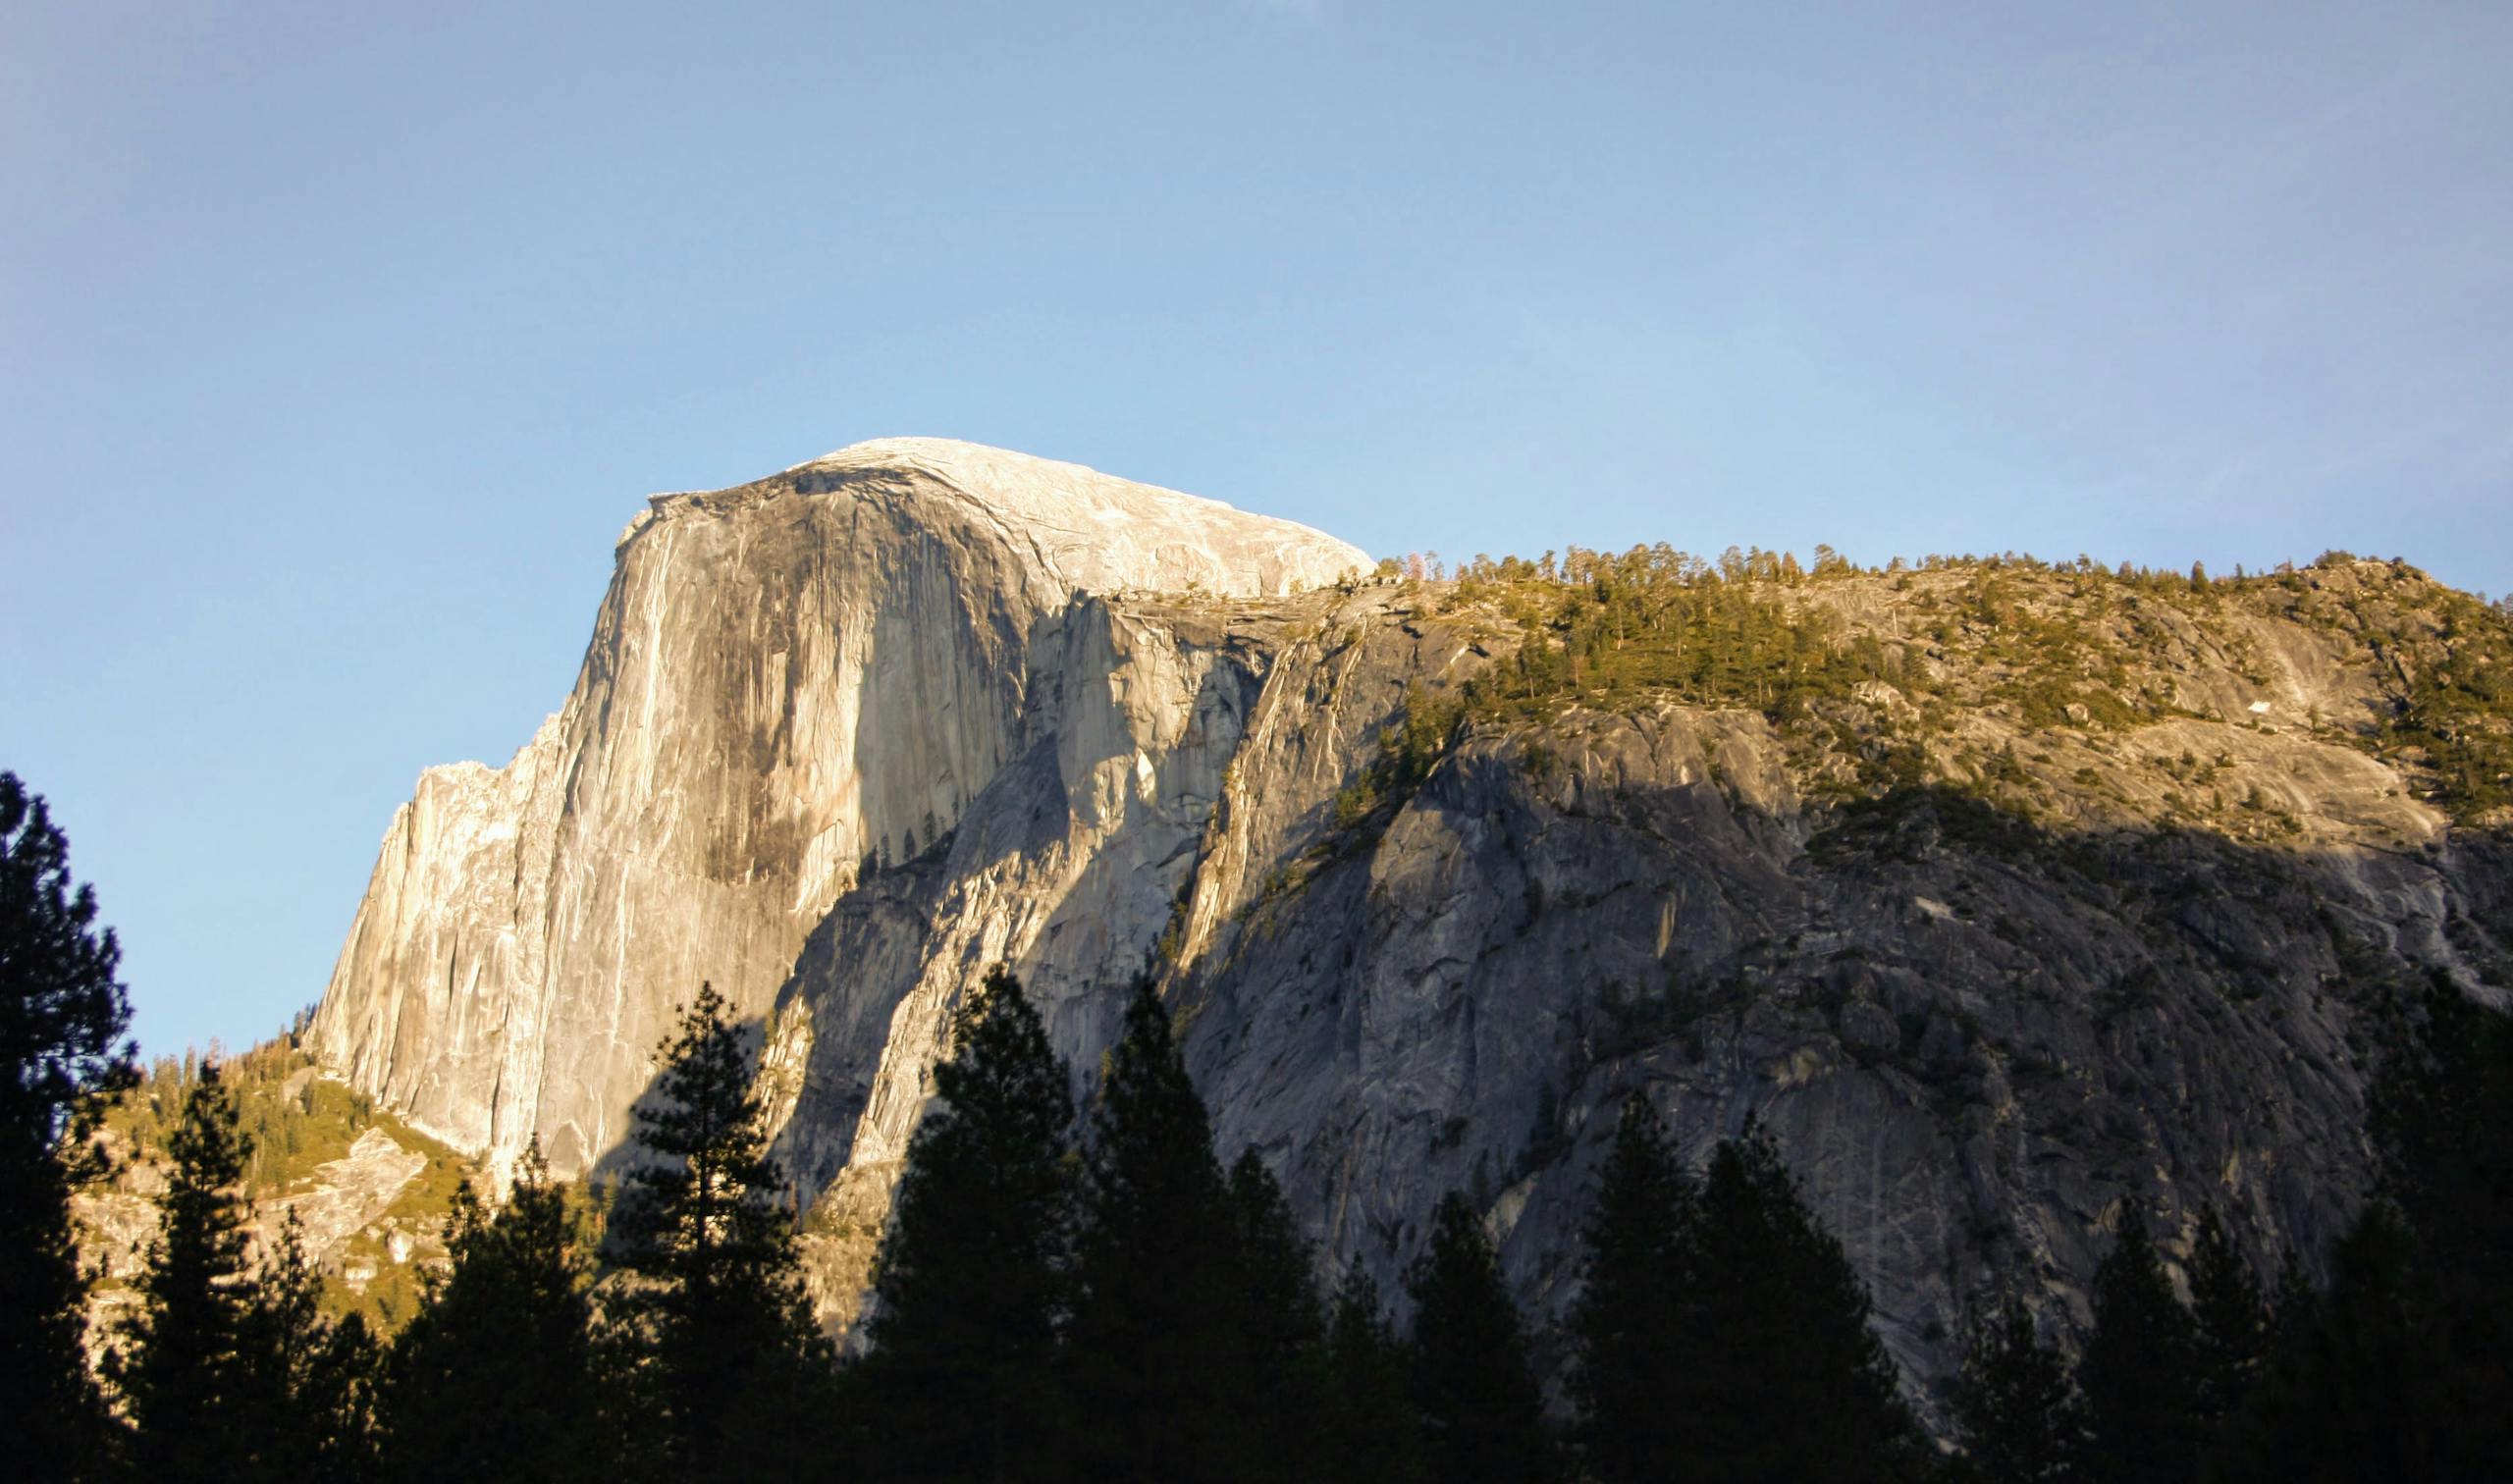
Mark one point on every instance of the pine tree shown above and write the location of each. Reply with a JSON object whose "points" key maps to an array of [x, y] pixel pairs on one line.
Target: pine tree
{"points": [[973, 1282], [2015, 1407], [1481, 1413], [1624, 1328], [2229, 1325], [1779, 1318], [2340, 1397], [1157, 1348], [183, 1367], [2139, 1370], [62, 1019], [1278, 1320], [310, 1380], [2404, 1368], [2442, 1120], [493, 1377], [1366, 1431], [720, 1336]]}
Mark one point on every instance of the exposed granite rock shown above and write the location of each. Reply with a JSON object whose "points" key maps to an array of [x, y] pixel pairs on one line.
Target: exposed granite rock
{"points": [[713, 784], [117, 1221], [1973, 1026]]}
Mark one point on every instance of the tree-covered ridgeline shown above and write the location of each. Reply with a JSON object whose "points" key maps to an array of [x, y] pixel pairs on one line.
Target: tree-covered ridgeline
{"points": [[2053, 644]]}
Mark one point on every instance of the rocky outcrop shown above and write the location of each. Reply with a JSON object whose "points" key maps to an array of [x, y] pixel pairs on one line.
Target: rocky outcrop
{"points": [[790, 684], [331, 1206], [846, 737]]}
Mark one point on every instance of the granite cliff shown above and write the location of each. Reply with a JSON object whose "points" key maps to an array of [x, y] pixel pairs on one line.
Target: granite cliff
{"points": [[2031, 889]]}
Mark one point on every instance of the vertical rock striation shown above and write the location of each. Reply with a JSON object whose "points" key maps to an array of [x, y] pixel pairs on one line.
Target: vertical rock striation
{"points": [[789, 683]]}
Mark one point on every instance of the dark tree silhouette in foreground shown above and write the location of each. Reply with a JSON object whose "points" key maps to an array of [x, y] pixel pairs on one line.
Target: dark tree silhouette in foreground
{"points": [[1365, 1433], [63, 1015], [1481, 1416], [974, 1278], [183, 1366], [718, 1336], [311, 1379], [2403, 1366], [1280, 1322], [1627, 1340], [2139, 1371], [1772, 1320], [493, 1378], [2015, 1406], [1158, 1357]]}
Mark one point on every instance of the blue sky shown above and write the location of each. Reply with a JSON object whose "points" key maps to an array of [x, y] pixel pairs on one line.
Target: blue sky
{"points": [[335, 348]]}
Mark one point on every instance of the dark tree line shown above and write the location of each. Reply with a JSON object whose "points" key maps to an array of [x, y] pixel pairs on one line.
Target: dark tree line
{"points": [[1110, 1303], [2401, 1367], [1091, 1294]]}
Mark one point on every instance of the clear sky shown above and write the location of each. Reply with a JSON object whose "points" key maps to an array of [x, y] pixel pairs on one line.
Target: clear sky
{"points": [[338, 342]]}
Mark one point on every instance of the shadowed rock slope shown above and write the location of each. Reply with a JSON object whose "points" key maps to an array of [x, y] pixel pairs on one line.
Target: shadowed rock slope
{"points": [[2000, 891]]}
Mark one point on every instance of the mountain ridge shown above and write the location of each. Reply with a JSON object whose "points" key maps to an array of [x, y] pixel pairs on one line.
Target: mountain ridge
{"points": [[2012, 895]]}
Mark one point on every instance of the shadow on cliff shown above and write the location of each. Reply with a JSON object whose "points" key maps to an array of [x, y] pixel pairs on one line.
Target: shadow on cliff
{"points": [[628, 1154], [1973, 1033], [1093, 925]]}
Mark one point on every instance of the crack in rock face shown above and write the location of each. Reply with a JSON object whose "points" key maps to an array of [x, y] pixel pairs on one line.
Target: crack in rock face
{"points": [[847, 737]]}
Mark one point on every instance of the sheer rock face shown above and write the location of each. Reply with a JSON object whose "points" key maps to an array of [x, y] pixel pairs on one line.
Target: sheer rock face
{"points": [[847, 737], [788, 681]]}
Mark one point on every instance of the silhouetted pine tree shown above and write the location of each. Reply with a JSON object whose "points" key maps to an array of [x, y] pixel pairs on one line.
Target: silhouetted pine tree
{"points": [[62, 1019], [1481, 1413], [493, 1378], [2139, 1371], [974, 1278], [2229, 1322], [720, 1338], [1627, 1340], [311, 1380], [2015, 1407], [1365, 1432], [2339, 1398], [2443, 1118], [1780, 1318], [2401, 1369], [183, 1366], [1278, 1315], [1157, 1354]]}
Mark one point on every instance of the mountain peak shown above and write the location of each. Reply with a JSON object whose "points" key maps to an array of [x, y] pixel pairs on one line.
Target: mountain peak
{"points": [[1098, 531]]}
